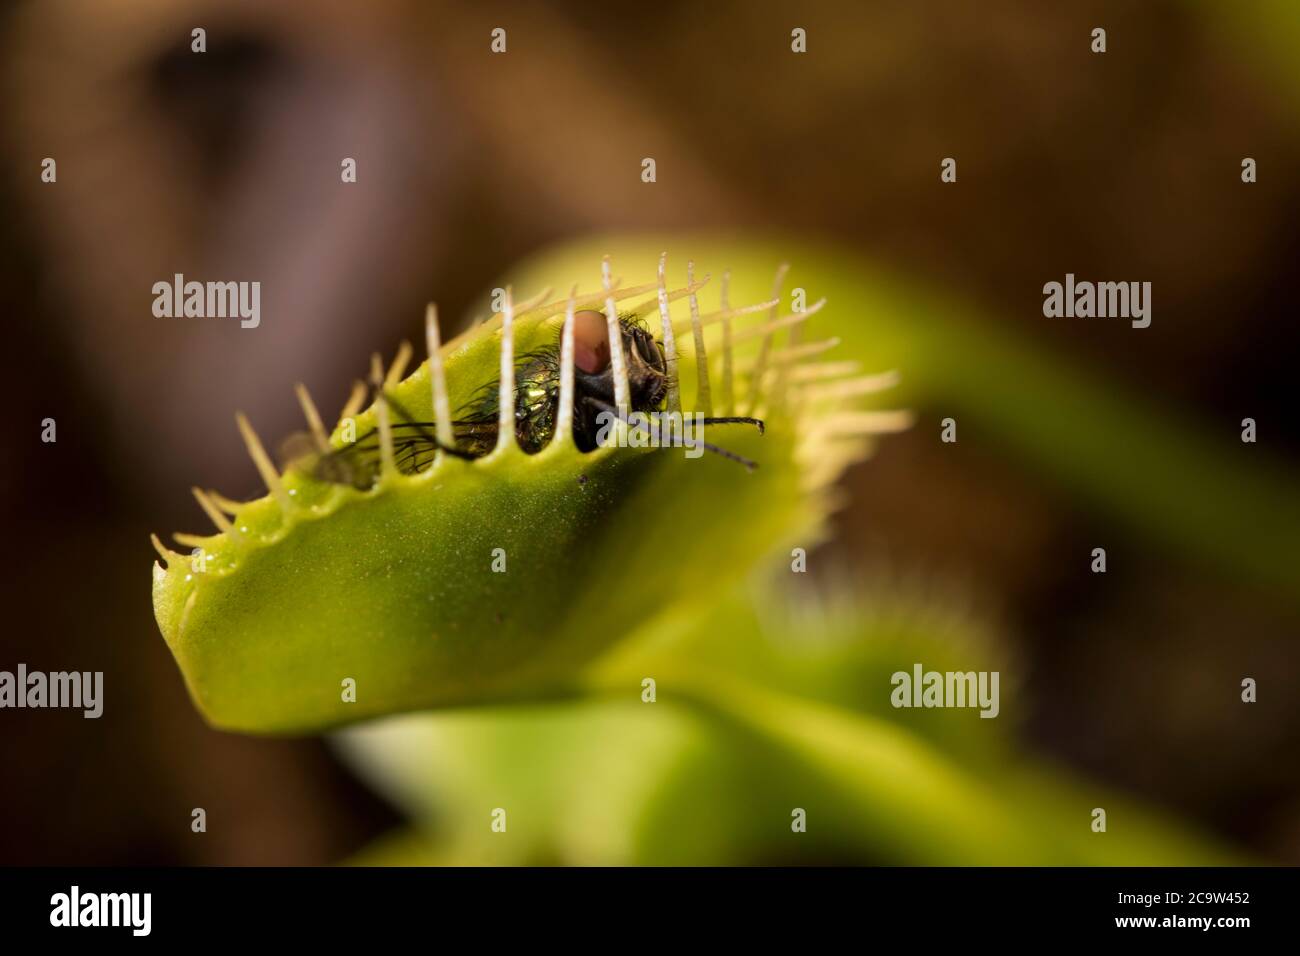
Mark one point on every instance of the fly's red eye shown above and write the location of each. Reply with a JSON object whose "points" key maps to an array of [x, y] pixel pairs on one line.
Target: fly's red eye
{"points": [[590, 342]]}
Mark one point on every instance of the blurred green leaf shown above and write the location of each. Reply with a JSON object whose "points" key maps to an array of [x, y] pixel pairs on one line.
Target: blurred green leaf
{"points": [[711, 771]]}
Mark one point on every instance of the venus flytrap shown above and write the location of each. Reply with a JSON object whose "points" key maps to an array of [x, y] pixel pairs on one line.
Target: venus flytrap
{"points": [[370, 562]]}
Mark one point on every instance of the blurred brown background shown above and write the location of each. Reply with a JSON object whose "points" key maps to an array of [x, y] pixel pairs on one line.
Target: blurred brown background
{"points": [[226, 165]]}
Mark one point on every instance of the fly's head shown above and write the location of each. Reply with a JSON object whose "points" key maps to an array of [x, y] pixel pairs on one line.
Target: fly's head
{"points": [[647, 369]]}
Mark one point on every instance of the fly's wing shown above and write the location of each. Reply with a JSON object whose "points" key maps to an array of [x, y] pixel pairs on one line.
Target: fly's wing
{"points": [[344, 466], [414, 450], [415, 445]]}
